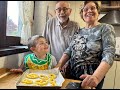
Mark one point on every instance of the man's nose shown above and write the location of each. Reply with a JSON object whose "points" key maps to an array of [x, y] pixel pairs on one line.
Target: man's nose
{"points": [[62, 11]]}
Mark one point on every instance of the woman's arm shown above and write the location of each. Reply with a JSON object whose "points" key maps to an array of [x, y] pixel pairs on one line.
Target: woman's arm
{"points": [[101, 71], [98, 75], [62, 61]]}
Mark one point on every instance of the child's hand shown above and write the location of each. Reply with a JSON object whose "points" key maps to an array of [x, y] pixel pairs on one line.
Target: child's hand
{"points": [[17, 70]]}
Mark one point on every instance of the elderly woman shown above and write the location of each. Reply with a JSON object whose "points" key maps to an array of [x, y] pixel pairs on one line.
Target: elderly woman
{"points": [[92, 49]]}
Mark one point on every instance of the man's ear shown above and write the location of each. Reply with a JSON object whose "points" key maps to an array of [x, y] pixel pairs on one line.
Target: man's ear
{"points": [[55, 11], [70, 10]]}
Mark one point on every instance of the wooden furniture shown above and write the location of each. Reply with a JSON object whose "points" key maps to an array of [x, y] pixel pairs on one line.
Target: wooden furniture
{"points": [[9, 81], [112, 77]]}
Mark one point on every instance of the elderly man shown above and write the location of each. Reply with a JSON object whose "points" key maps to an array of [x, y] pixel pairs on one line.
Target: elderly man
{"points": [[60, 29]]}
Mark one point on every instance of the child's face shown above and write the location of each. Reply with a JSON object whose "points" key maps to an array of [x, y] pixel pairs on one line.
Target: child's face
{"points": [[41, 46]]}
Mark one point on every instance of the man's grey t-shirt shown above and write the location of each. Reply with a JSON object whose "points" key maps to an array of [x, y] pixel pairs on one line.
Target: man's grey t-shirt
{"points": [[59, 38]]}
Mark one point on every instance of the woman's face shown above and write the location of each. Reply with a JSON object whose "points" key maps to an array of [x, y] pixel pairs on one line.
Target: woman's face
{"points": [[90, 13]]}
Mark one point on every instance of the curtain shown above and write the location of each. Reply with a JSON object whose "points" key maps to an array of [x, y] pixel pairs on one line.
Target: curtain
{"points": [[26, 10]]}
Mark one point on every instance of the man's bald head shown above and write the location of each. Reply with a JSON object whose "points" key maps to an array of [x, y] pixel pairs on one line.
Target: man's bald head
{"points": [[62, 3]]}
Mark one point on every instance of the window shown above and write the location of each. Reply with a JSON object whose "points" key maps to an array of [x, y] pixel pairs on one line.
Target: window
{"points": [[7, 40], [9, 30], [12, 22], [12, 28]]}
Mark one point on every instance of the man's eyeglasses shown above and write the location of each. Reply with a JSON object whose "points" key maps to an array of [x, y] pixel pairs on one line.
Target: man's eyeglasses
{"points": [[64, 9]]}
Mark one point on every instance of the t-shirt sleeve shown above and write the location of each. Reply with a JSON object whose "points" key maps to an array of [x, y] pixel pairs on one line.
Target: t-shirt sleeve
{"points": [[53, 62]]}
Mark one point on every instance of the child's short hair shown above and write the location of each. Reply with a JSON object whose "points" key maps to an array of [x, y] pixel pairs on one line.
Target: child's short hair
{"points": [[32, 41]]}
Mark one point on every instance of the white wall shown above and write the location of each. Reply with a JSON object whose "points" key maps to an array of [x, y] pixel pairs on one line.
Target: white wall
{"points": [[40, 15], [11, 61]]}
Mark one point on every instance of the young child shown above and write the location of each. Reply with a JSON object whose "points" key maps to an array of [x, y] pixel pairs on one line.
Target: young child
{"points": [[40, 58]]}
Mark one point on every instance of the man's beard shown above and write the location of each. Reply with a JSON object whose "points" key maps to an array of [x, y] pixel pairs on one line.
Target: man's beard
{"points": [[63, 20]]}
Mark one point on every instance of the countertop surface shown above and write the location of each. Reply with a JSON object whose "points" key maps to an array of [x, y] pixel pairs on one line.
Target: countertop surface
{"points": [[9, 81]]}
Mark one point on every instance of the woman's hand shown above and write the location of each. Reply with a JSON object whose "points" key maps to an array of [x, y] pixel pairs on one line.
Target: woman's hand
{"points": [[66, 67], [16, 70], [58, 66], [89, 81]]}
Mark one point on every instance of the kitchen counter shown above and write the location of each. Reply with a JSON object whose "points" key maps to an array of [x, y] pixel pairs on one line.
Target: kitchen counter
{"points": [[9, 81]]}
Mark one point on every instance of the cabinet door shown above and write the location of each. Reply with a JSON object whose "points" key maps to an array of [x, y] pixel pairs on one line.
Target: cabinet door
{"points": [[117, 79], [110, 77]]}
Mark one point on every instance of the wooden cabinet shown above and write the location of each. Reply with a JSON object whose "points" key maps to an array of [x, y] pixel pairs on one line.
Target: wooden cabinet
{"points": [[112, 79], [109, 82], [117, 76]]}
